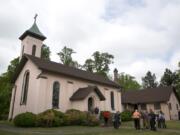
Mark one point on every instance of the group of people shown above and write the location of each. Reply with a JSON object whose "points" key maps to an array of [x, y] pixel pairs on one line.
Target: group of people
{"points": [[142, 120], [116, 119], [145, 120]]}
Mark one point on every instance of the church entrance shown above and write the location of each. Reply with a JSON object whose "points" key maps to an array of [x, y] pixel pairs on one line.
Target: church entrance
{"points": [[90, 104]]}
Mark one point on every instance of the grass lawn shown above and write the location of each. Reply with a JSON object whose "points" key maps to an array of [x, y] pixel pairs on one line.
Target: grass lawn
{"points": [[173, 125], [126, 129]]}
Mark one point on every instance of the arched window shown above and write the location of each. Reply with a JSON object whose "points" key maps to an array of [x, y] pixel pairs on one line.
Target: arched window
{"points": [[90, 104], [112, 100], [55, 96], [25, 88], [34, 50]]}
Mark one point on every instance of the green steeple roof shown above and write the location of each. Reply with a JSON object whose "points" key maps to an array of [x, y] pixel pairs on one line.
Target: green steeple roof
{"points": [[34, 32]]}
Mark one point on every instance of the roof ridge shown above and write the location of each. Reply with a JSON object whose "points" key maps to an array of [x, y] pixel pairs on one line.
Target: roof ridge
{"points": [[68, 66], [70, 71]]}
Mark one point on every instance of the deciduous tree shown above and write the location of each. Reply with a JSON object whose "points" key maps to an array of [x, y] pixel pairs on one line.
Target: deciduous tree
{"points": [[128, 82], [6, 87], [66, 57], [99, 63], [45, 52]]}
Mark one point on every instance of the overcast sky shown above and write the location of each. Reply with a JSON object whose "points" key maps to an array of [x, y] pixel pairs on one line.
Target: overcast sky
{"points": [[142, 34]]}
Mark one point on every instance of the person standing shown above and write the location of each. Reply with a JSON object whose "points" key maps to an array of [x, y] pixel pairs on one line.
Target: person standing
{"points": [[162, 121], [116, 120], [136, 116], [146, 120], [152, 117], [96, 112], [106, 115]]}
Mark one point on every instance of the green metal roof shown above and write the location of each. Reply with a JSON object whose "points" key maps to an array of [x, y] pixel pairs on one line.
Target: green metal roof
{"points": [[34, 32]]}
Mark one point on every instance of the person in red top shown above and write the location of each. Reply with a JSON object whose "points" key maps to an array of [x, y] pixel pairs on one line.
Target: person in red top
{"points": [[106, 116]]}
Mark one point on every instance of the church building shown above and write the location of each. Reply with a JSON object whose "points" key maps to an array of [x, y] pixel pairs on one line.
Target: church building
{"points": [[41, 84]]}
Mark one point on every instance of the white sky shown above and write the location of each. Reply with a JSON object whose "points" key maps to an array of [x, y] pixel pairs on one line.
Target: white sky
{"points": [[142, 34]]}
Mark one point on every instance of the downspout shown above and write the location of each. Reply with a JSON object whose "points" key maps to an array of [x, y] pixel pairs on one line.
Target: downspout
{"points": [[13, 102]]}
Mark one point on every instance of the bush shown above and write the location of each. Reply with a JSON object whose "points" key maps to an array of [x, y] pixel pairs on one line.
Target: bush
{"points": [[53, 118], [50, 118], [126, 116], [75, 117], [91, 120], [27, 119]]}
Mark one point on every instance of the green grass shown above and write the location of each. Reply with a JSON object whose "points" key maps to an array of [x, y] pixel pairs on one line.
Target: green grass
{"points": [[173, 125], [5, 122], [7, 128], [170, 124]]}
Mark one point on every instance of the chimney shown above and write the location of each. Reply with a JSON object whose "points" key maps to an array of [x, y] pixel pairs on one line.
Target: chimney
{"points": [[115, 75]]}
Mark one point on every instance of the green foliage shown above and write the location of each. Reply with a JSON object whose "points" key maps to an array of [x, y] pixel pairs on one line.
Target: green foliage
{"points": [[91, 120], [149, 81], [178, 82], [25, 120], [76, 117], [66, 57], [128, 82], [50, 118], [6, 87], [53, 118], [169, 78], [45, 52], [126, 116], [99, 63]]}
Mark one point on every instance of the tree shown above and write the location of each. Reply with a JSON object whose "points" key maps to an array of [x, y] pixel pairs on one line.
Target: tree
{"points": [[45, 52], [149, 81], [99, 63], [6, 87], [178, 80], [169, 78], [66, 57], [128, 82]]}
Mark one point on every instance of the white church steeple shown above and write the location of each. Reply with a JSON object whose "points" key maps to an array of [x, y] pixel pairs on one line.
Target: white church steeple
{"points": [[32, 41]]}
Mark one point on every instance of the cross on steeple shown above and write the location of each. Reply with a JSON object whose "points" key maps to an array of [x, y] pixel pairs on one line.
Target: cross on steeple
{"points": [[35, 18]]}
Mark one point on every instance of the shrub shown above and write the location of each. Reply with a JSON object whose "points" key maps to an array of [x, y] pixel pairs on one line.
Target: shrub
{"points": [[126, 116], [91, 120], [75, 117], [53, 118], [27, 119], [50, 118]]}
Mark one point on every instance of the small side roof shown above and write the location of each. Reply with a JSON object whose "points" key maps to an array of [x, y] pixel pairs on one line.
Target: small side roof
{"points": [[34, 32], [149, 95], [57, 68], [82, 93]]}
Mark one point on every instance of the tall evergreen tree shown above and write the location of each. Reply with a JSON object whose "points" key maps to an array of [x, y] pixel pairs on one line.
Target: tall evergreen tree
{"points": [[169, 78], [149, 81]]}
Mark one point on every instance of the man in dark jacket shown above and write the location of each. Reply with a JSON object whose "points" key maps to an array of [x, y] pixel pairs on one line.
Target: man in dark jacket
{"points": [[152, 117], [117, 120]]}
